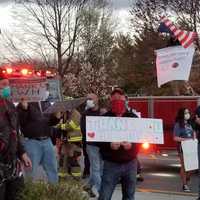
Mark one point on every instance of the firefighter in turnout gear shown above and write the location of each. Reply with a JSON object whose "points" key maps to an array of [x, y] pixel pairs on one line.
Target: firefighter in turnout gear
{"points": [[71, 142]]}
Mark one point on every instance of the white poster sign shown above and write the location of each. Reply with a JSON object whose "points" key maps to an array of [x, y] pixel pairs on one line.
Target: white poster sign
{"points": [[31, 89], [54, 89], [173, 63], [190, 154], [119, 129]]}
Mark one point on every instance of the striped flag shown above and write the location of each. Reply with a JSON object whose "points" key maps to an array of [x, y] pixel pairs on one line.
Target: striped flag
{"points": [[186, 38]]}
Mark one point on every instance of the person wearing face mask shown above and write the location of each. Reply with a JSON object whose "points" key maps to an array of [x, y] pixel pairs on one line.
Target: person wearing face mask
{"points": [[120, 158], [183, 130], [12, 151], [197, 129], [92, 149]]}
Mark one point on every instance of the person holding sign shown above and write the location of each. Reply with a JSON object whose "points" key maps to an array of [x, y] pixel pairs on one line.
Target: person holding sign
{"points": [[37, 129], [197, 128], [183, 131], [120, 158]]}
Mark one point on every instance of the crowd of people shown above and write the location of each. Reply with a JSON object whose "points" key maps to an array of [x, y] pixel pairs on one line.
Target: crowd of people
{"points": [[28, 139]]}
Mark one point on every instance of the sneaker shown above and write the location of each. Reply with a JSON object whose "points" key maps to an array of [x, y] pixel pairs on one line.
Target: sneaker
{"points": [[186, 188]]}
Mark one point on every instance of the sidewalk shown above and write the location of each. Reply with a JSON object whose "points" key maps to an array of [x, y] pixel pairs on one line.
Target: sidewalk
{"points": [[155, 196]]}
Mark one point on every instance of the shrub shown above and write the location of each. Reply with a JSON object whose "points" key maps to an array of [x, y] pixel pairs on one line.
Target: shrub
{"points": [[44, 191]]}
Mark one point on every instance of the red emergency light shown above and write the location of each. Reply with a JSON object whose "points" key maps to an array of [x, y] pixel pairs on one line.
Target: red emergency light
{"points": [[145, 145], [24, 72], [9, 70]]}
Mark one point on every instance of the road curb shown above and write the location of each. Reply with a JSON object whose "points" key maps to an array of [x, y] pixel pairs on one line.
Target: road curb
{"points": [[168, 192]]}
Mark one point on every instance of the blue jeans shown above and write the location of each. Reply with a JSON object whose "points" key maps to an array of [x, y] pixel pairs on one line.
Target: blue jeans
{"points": [[42, 153], [113, 173], [96, 166]]}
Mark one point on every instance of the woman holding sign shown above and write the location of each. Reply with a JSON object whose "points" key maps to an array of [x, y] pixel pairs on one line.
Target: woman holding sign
{"points": [[183, 131]]}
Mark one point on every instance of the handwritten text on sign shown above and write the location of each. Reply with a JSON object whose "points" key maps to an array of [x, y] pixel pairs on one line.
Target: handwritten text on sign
{"points": [[29, 89], [119, 129]]}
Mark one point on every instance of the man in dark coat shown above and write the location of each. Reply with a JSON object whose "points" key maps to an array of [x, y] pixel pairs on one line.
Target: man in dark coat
{"points": [[120, 158], [37, 129], [11, 149]]}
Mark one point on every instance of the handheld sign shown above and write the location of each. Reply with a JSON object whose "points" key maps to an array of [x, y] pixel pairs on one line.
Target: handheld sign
{"points": [[31, 89], [190, 154], [54, 89], [119, 129], [173, 63]]}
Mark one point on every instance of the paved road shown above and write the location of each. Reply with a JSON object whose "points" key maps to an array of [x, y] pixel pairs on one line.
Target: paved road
{"points": [[161, 180], [162, 174]]}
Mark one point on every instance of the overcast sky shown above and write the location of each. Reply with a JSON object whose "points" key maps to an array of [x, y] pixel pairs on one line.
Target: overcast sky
{"points": [[120, 7], [116, 3]]}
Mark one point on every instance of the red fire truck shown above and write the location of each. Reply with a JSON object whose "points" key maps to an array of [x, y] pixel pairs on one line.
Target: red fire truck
{"points": [[31, 83], [163, 107]]}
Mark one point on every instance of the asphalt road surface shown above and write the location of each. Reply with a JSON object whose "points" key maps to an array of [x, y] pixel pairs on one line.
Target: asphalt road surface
{"points": [[161, 173]]}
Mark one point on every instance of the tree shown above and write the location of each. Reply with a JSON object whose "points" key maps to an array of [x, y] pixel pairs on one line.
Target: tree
{"points": [[57, 23], [94, 58], [97, 34], [89, 80], [146, 19]]}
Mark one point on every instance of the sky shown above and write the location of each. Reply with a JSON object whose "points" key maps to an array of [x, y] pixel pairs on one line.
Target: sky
{"points": [[120, 10], [120, 13]]}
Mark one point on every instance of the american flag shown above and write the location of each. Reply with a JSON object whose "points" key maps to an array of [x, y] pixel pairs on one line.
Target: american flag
{"points": [[186, 38]]}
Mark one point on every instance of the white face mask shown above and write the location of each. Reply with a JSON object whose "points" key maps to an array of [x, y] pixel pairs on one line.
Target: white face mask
{"points": [[89, 104], [187, 116]]}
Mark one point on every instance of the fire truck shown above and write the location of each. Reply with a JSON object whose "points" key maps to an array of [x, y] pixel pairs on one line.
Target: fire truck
{"points": [[32, 84], [165, 108]]}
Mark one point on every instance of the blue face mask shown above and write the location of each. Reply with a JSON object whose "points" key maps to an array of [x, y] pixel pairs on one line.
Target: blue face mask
{"points": [[6, 92]]}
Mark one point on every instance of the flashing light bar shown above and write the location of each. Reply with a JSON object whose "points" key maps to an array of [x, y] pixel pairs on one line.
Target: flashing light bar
{"points": [[17, 72], [24, 72], [9, 70]]}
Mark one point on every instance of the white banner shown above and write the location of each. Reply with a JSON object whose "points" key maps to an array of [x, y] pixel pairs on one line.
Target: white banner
{"points": [[30, 89], [173, 63], [190, 154], [119, 129], [54, 89]]}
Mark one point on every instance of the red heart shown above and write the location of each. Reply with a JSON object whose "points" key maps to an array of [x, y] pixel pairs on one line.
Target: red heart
{"points": [[91, 134], [175, 65]]}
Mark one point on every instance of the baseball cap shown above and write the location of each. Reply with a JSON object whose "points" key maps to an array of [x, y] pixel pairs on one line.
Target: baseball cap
{"points": [[117, 90]]}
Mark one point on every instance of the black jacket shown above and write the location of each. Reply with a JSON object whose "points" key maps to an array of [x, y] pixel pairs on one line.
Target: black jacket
{"points": [[195, 125], [88, 112], [121, 155], [33, 123], [9, 135]]}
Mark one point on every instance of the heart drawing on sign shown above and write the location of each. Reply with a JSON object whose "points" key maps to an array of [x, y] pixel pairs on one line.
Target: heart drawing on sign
{"points": [[175, 65], [91, 134]]}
